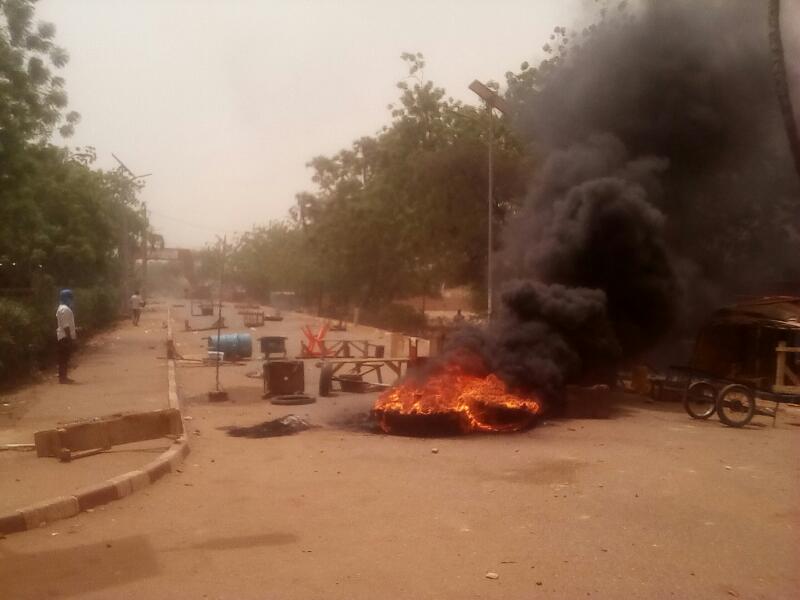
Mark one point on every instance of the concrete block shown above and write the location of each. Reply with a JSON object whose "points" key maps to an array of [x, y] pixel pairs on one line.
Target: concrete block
{"points": [[123, 485], [172, 393], [138, 479], [49, 510], [47, 443], [172, 456], [12, 523], [175, 454], [110, 431], [157, 469], [96, 495]]}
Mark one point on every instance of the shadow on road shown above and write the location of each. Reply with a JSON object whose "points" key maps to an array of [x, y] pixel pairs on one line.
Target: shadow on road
{"points": [[76, 570], [242, 541]]}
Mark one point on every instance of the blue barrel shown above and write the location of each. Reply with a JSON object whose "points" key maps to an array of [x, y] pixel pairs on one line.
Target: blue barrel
{"points": [[234, 345]]}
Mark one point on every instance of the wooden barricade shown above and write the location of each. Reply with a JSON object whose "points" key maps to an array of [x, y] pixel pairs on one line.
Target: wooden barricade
{"points": [[786, 380]]}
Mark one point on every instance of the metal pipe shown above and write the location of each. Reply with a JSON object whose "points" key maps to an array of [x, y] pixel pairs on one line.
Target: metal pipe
{"points": [[493, 100], [219, 315], [491, 213]]}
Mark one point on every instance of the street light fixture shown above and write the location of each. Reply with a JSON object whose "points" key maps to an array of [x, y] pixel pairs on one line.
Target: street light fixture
{"points": [[492, 100]]}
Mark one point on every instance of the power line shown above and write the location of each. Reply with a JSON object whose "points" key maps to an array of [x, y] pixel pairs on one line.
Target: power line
{"points": [[187, 223]]}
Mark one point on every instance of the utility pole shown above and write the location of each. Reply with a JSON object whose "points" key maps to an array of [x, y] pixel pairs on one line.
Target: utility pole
{"points": [[123, 251], [124, 254], [490, 200], [145, 249], [493, 100], [218, 395]]}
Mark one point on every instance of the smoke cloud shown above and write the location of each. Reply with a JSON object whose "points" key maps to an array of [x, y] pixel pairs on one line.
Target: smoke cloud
{"points": [[664, 187]]}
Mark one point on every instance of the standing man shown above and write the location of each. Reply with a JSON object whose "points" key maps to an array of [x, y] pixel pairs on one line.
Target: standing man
{"points": [[65, 334], [136, 307]]}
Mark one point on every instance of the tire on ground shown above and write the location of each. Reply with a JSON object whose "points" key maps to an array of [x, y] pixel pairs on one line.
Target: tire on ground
{"points": [[292, 399]]}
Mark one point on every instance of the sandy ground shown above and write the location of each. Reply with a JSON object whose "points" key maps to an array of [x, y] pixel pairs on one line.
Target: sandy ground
{"points": [[116, 371], [646, 504]]}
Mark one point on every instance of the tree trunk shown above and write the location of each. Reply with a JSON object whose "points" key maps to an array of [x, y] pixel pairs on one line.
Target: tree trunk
{"points": [[781, 84]]}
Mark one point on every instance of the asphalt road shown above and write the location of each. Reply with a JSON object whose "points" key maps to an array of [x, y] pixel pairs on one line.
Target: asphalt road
{"points": [[645, 504]]}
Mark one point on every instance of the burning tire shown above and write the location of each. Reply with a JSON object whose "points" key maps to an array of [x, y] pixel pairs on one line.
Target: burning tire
{"points": [[452, 402], [700, 400], [484, 418], [736, 405]]}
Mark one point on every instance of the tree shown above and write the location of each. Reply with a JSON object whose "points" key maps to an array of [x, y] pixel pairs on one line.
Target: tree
{"points": [[62, 223], [32, 97], [404, 211]]}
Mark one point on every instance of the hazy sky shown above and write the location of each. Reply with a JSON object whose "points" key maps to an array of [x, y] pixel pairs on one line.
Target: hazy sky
{"points": [[225, 101]]}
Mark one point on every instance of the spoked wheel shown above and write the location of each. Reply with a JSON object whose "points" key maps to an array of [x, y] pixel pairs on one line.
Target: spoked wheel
{"points": [[700, 400], [736, 405]]}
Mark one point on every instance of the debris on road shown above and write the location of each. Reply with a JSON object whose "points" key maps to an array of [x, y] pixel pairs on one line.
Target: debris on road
{"points": [[18, 447], [492, 575], [287, 425]]}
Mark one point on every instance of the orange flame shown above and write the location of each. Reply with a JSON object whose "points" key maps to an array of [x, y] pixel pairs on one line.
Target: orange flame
{"points": [[478, 403]]}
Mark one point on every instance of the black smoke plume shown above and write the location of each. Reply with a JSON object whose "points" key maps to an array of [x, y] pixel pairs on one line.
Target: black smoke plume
{"points": [[663, 187]]}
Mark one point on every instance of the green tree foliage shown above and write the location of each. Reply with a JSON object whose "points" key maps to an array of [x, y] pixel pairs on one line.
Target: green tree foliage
{"points": [[62, 223], [273, 258], [32, 96], [396, 214]]}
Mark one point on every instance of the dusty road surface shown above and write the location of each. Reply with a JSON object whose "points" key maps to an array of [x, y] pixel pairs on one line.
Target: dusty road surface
{"points": [[116, 371], [646, 504]]}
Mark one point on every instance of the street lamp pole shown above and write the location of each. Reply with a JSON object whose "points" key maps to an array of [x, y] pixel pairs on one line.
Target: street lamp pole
{"points": [[493, 100], [124, 246], [490, 199]]}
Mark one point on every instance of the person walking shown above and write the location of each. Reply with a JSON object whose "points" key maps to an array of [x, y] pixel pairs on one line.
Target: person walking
{"points": [[136, 307], [65, 333]]}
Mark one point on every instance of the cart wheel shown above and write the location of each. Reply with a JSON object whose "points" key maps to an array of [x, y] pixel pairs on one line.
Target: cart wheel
{"points": [[700, 400], [736, 405], [325, 380]]}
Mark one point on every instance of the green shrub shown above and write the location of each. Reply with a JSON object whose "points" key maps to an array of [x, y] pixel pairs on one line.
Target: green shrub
{"points": [[22, 338], [28, 328], [95, 307]]}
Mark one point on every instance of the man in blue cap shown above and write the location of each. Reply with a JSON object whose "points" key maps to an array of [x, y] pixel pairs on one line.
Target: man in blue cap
{"points": [[65, 333]]}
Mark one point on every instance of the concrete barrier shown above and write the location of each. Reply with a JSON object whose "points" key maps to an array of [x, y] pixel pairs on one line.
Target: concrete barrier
{"points": [[62, 507]]}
